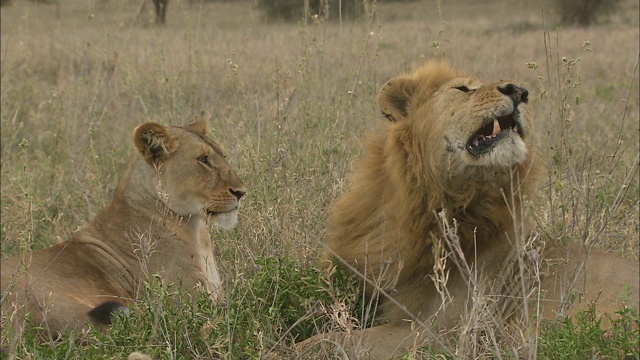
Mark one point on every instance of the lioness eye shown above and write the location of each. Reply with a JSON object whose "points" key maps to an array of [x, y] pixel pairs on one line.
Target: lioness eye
{"points": [[204, 159], [463, 88]]}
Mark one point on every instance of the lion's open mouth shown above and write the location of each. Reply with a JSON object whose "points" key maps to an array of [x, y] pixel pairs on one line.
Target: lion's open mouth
{"points": [[483, 140], [215, 213]]}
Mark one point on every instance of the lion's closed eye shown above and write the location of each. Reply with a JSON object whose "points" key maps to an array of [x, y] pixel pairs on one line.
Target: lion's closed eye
{"points": [[464, 88]]}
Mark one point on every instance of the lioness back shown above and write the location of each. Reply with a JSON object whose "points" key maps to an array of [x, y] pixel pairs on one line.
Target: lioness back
{"points": [[176, 182]]}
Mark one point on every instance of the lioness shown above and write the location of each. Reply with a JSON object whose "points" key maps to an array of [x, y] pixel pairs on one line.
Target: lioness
{"points": [[434, 220], [176, 181]]}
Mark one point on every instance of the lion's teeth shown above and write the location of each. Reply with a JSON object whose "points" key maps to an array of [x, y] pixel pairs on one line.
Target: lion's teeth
{"points": [[475, 142], [496, 127]]}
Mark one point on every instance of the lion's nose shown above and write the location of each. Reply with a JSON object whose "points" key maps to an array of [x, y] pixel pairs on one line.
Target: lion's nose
{"points": [[238, 193], [516, 93]]}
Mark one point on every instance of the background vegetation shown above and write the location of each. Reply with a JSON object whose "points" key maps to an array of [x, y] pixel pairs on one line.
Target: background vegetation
{"points": [[296, 10], [291, 103], [585, 12]]}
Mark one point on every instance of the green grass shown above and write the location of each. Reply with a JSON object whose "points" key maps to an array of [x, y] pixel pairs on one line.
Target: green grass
{"points": [[278, 303], [585, 337], [291, 104]]}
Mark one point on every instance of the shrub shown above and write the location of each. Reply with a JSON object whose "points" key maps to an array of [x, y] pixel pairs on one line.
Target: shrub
{"points": [[584, 12]]}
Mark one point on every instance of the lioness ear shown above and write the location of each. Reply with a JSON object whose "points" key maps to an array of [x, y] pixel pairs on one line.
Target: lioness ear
{"points": [[394, 98], [199, 124], [154, 142]]}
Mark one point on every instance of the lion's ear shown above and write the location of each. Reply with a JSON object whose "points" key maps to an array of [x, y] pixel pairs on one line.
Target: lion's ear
{"points": [[395, 96], [154, 142]]}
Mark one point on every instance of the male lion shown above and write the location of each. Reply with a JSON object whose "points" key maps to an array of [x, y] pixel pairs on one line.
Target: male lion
{"points": [[434, 218], [176, 180]]}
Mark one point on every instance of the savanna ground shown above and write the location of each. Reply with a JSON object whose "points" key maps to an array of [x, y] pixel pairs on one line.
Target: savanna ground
{"points": [[291, 103]]}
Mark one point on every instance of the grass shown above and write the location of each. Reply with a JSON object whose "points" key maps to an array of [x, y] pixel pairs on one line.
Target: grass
{"points": [[291, 103]]}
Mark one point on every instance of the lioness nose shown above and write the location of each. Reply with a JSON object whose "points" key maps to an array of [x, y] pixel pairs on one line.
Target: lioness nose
{"points": [[237, 193], [516, 93]]}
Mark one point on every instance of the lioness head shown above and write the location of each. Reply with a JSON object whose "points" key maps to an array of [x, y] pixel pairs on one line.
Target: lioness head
{"points": [[469, 124], [193, 167]]}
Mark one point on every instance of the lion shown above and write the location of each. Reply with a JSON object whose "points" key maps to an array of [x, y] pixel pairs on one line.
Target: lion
{"points": [[435, 217], [176, 182]]}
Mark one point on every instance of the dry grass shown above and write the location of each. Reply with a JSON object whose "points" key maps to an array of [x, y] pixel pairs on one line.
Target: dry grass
{"points": [[290, 102]]}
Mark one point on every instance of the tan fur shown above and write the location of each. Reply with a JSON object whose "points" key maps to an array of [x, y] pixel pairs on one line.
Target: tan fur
{"points": [[175, 182], [418, 174]]}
